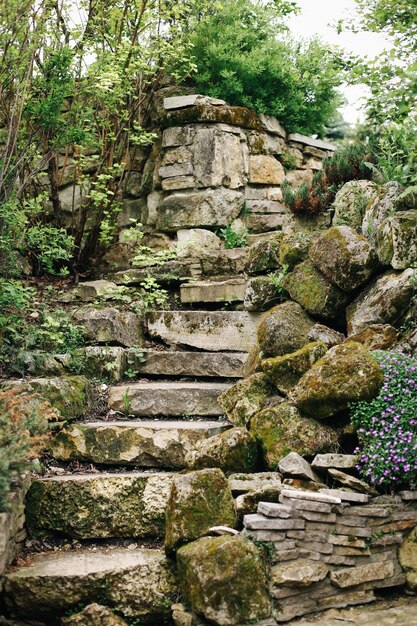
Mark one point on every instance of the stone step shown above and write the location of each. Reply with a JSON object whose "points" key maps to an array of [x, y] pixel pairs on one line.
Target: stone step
{"points": [[196, 364], [159, 444], [167, 398], [137, 582], [233, 331], [99, 506], [229, 290]]}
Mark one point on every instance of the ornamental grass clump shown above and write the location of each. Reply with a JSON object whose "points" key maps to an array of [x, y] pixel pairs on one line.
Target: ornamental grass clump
{"points": [[387, 425]]}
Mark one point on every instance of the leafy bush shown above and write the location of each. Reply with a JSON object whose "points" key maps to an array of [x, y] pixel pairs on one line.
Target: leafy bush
{"points": [[23, 435], [387, 425]]}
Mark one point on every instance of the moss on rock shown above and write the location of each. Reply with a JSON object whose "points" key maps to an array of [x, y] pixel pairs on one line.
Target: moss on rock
{"points": [[283, 329], [234, 450], [245, 398], [294, 249], [264, 255]]}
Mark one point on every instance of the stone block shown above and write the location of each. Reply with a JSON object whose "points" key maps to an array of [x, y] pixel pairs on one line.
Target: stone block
{"points": [[258, 522], [265, 170], [301, 573], [365, 573], [230, 290]]}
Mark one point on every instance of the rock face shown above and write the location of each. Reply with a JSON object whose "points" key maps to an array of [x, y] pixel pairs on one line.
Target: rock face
{"points": [[264, 255], [285, 371], [344, 257], [260, 294], [351, 202], [408, 559], [281, 430], [110, 326], [346, 373], [314, 292], [283, 329], [198, 500], [294, 249], [230, 290], [224, 581], [396, 240], [300, 573], [234, 450], [91, 290], [265, 170], [103, 505], [245, 398], [377, 337], [384, 302], [94, 615], [384, 204]]}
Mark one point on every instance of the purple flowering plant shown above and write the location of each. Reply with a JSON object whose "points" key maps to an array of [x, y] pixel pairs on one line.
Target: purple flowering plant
{"points": [[387, 425]]}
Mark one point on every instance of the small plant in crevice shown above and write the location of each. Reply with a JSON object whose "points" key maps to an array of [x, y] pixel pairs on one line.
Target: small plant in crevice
{"points": [[387, 425], [153, 295], [276, 279], [126, 403], [234, 238]]}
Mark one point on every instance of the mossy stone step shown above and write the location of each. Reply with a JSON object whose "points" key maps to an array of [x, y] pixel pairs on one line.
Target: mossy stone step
{"points": [[185, 363], [159, 444], [137, 582], [167, 398], [233, 331], [99, 506], [221, 291]]}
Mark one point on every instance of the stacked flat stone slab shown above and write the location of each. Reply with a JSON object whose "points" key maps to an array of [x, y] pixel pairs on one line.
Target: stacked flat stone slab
{"points": [[331, 548]]}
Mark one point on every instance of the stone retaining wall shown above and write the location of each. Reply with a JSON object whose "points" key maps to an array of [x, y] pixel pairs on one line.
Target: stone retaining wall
{"points": [[332, 548], [12, 531]]}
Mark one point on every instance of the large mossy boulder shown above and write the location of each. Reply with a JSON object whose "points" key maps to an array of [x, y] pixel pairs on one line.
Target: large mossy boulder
{"points": [[198, 500], [261, 293], [245, 398], [384, 302], [110, 326], [396, 240], [283, 329], [347, 373], [387, 202], [346, 258], [314, 292], [294, 248], [407, 556], [351, 202], [284, 372], [234, 450], [263, 256], [224, 580], [282, 429]]}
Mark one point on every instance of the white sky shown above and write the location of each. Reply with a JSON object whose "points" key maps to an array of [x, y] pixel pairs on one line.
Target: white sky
{"points": [[317, 18]]}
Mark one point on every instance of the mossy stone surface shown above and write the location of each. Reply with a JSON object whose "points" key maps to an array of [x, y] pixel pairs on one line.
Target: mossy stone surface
{"points": [[197, 501], [224, 580], [347, 373], [294, 249], [235, 450], [285, 371], [407, 556], [261, 294], [351, 202], [396, 240], [283, 329], [282, 429], [94, 615], [245, 398], [314, 292], [263, 256]]}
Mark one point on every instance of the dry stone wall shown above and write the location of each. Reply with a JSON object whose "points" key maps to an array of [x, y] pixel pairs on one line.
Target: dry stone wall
{"points": [[12, 530]]}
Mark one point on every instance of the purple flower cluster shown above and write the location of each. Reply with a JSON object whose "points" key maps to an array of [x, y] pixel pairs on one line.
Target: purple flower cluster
{"points": [[387, 425]]}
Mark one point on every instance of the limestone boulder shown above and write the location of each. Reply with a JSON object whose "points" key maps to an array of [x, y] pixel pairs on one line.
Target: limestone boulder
{"points": [[195, 241], [103, 362], [377, 337], [314, 292], [282, 429], [285, 371], [384, 302], [407, 556], [197, 501], [295, 466], [344, 257], [346, 373], [265, 170], [224, 580], [261, 293], [245, 398], [294, 248], [89, 291], [326, 335], [264, 255], [220, 157], [299, 573], [234, 450], [94, 615], [110, 325], [396, 240], [283, 329], [351, 202], [386, 202]]}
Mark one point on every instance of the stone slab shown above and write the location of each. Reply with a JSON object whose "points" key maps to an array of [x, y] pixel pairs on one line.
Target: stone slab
{"points": [[231, 290], [185, 363], [347, 496], [334, 461], [310, 495], [259, 522], [314, 143], [364, 573]]}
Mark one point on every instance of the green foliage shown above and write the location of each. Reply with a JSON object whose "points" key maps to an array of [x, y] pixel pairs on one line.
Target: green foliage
{"points": [[240, 58], [276, 279], [234, 238], [153, 296], [394, 150]]}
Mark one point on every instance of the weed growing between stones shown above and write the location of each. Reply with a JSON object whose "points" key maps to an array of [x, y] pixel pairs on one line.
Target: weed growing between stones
{"points": [[387, 425]]}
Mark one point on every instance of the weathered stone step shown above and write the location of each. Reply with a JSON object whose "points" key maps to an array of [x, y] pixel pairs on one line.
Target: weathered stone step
{"points": [[196, 364], [167, 398], [230, 290], [99, 506], [161, 444], [215, 330], [137, 582]]}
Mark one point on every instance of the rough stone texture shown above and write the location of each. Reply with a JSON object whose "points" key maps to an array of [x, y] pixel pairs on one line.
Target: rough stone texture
{"points": [[216, 330], [12, 522], [138, 583], [385, 204], [300, 573], [223, 579], [261, 293], [245, 398], [199, 209], [294, 465], [384, 302], [351, 482], [230, 290], [396, 240], [346, 373], [314, 292], [244, 483], [344, 257], [224, 262], [94, 615], [109, 325], [103, 362], [294, 248], [219, 158], [377, 337], [205, 113], [285, 371], [167, 398], [265, 170], [88, 506], [71, 396], [197, 501], [283, 329], [264, 255], [354, 576], [351, 202], [234, 450], [183, 363], [141, 443], [89, 291], [325, 335], [192, 241], [335, 461], [281, 430], [407, 556]]}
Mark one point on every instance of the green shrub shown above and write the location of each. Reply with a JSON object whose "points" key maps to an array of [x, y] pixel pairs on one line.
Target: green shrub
{"points": [[234, 238]]}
